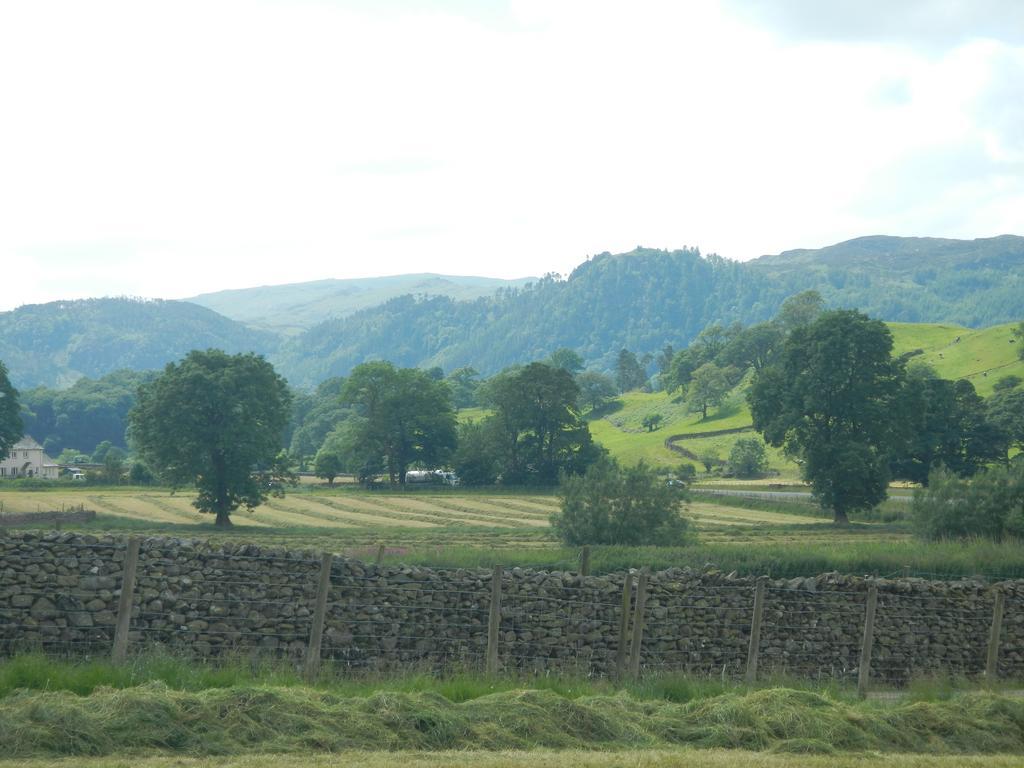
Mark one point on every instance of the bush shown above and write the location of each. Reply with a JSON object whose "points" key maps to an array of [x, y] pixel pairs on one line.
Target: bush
{"points": [[991, 505], [1007, 382], [619, 505], [747, 458]]}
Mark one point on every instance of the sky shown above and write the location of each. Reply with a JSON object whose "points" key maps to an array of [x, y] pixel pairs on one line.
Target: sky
{"points": [[167, 149]]}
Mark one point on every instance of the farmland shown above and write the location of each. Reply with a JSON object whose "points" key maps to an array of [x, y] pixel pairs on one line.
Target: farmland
{"points": [[980, 356], [456, 528]]}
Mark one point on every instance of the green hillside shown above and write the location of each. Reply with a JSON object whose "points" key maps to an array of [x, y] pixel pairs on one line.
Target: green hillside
{"points": [[981, 356], [56, 344]]}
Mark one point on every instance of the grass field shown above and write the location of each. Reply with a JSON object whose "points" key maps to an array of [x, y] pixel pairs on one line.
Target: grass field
{"points": [[981, 356], [647, 758], [161, 705], [461, 528]]}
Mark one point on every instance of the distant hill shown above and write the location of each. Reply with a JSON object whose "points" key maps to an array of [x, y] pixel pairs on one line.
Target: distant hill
{"points": [[911, 279], [57, 343], [641, 300], [298, 306], [647, 298]]}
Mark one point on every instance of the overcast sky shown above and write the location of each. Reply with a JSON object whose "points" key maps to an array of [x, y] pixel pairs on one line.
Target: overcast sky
{"points": [[168, 149]]}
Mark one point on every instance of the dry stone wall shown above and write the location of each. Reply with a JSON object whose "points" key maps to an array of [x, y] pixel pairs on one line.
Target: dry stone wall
{"points": [[60, 591]]}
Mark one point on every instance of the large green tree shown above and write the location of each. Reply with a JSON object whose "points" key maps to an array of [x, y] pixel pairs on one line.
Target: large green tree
{"points": [[629, 373], [828, 399], [708, 386], [406, 417], [1005, 410], [216, 421], [539, 430], [596, 389], [10, 414], [942, 423]]}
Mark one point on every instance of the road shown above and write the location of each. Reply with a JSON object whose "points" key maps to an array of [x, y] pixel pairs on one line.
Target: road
{"points": [[772, 495]]}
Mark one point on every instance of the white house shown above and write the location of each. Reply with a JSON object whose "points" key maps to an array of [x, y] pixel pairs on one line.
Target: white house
{"points": [[27, 459]]}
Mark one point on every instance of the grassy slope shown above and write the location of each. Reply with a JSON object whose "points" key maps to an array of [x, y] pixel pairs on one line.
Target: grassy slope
{"points": [[645, 758], [981, 356]]}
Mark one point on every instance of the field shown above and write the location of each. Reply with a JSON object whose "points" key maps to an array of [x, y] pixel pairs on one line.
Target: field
{"points": [[237, 715], [461, 528], [981, 356], [690, 758], [160, 712]]}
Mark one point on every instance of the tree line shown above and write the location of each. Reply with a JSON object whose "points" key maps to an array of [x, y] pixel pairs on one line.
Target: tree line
{"points": [[823, 385]]}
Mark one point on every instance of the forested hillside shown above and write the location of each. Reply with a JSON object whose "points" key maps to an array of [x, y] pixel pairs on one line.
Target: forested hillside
{"points": [[646, 299], [910, 279], [57, 343]]}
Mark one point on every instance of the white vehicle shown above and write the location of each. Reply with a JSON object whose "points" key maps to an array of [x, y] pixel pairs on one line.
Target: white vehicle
{"points": [[423, 476]]}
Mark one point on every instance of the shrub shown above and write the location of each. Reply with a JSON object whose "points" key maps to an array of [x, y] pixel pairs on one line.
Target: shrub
{"points": [[747, 458], [611, 504], [1007, 382], [991, 505]]}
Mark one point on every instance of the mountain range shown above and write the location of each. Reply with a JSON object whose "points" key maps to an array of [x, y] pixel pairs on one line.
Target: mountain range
{"points": [[640, 300]]}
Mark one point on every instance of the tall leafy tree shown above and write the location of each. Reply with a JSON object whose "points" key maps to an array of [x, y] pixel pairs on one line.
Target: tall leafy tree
{"points": [[752, 347], [709, 386], [407, 416], [799, 310], [1006, 411], [566, 359], [10, 413], [314, 416], [943, 423], [1018, 333], [539, 430], [714, 339], [829, 401], [216, 421], [464, 383], [596, 389], [629, 373], [329, 462]]}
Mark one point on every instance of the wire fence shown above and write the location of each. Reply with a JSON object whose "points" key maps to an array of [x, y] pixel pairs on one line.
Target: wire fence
{"points": [[75, 598]]}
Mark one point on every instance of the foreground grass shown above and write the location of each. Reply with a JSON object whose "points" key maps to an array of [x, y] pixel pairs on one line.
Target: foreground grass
{"points": [[675, 758], [154, 719]]}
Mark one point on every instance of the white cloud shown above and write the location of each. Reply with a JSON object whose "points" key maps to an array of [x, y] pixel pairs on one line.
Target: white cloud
{"points": [[170, 149]]}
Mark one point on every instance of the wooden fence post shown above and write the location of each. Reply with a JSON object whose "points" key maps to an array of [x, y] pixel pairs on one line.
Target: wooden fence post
{"points": [[380, 554], [620, 651], [316, 631], [494, 622], [992, 662], [124, 605], [585, 560], [638, 625], [755, 630], [864, 672]]}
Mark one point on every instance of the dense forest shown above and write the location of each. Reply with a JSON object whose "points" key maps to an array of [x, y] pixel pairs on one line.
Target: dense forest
{"points": [[646, 299], [57, 343], [642, 301]]}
